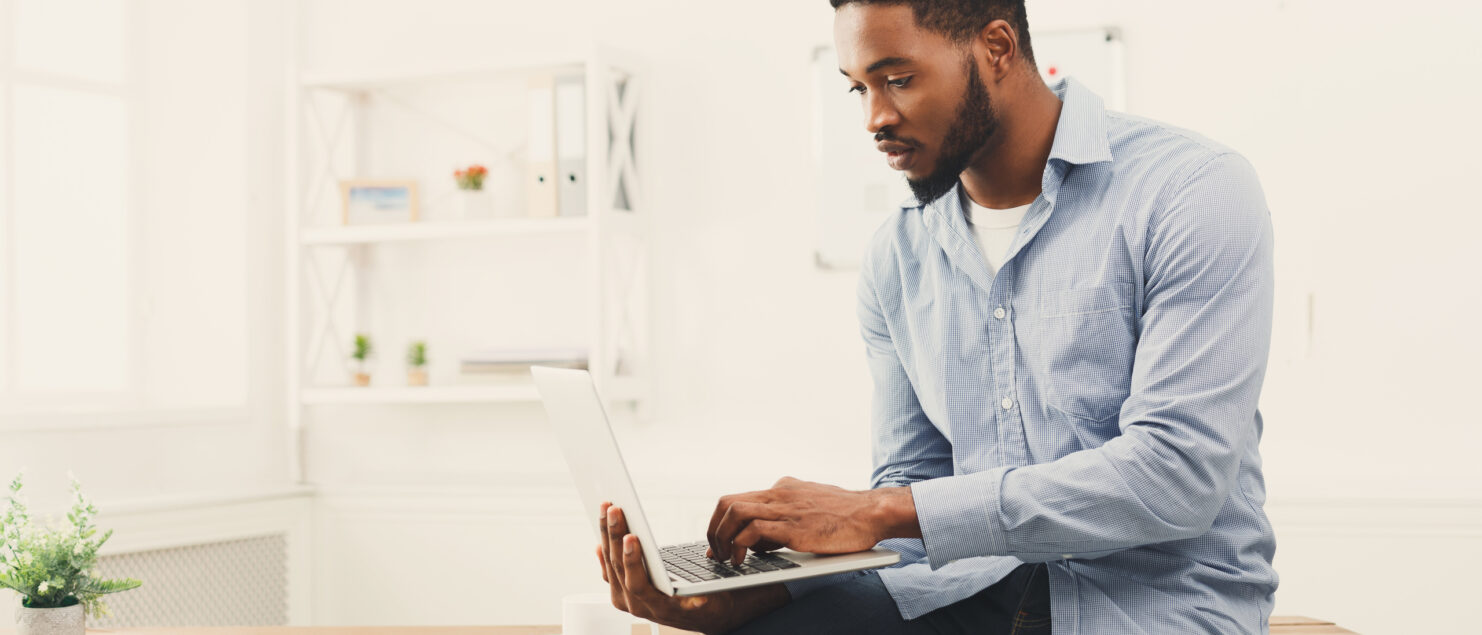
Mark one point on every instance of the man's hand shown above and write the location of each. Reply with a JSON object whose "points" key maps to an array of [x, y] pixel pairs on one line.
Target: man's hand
{"points": [[810, 517], [626, 574]]}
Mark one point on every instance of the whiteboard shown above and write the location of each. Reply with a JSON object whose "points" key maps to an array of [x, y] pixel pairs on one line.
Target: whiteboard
{"points": [[857, 191]]}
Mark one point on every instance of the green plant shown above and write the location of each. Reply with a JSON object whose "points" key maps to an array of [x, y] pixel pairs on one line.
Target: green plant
{"points": [[417, 354], [471, 178], [362, 347], [53, 567]]}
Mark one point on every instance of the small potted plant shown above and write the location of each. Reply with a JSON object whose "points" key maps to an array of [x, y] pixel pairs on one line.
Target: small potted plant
{"points": [[417, 363], [362, 356], [469, 200], [471, 178], [52, 568]]}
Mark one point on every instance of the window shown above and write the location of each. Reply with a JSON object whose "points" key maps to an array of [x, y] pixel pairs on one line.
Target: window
{"points": [[122, 254]]}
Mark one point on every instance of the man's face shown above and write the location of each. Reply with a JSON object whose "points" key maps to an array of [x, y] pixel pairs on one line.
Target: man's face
{"points": [[923, 97]]}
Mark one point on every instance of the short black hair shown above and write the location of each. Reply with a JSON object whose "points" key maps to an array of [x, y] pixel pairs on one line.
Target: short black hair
{"points": [[962, 20]]}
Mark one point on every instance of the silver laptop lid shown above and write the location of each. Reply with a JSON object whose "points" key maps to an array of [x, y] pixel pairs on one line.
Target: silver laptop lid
{"points": [[580, 421]]}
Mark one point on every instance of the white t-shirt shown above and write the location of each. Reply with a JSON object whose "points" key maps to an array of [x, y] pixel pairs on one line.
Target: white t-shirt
{"points": [[995, 229]]}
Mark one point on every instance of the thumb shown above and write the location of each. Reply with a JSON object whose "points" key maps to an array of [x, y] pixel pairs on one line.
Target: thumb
{"points": [[693, 601]]}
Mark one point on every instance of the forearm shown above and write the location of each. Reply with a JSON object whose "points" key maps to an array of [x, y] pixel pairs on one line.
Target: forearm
{"points": [[1132, 491]]}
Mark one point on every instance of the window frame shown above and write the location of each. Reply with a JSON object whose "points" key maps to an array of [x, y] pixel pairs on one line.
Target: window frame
{"points": [[76, 410]]}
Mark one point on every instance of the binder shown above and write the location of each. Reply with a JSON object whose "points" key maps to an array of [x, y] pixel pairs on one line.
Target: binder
{"points": [[571, 145], [541, 172]]}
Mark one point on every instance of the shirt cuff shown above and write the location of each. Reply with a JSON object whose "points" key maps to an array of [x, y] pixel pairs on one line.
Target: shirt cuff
{"points": [[959, 516]]}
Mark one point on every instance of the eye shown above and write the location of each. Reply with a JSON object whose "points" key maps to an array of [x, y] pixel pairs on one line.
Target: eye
{"points": [[899, 83], [857, 88]]}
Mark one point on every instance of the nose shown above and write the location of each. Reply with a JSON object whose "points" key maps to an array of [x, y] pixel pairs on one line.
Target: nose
{"points": [[880, 113]]}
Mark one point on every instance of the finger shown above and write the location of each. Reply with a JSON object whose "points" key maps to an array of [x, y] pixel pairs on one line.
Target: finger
{"points": [[737, 517], [602, 538], [725, 502], [755, 532], [617, 527], [720, 511], [640, 586], [615, 586], [602, 562], [604, 543]]}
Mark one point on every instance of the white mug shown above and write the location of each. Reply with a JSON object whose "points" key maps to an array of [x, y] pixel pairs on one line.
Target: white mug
{"points": [[594, 614]]}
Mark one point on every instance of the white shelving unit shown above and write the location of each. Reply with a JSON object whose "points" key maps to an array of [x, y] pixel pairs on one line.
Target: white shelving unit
{"points": [[421, 394], [612, 234], [369, 234]]}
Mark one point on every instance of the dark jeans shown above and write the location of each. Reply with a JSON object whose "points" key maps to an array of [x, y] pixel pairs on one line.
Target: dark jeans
{"points": [[1019, 604]]}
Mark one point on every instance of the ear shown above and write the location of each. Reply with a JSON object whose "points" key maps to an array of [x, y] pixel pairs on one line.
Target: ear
{"points": [[999, 44]]}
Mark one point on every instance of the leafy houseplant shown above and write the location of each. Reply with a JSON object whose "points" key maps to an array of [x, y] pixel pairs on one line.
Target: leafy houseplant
{"points": [[361, 355], [52, 568], [417, 363]]}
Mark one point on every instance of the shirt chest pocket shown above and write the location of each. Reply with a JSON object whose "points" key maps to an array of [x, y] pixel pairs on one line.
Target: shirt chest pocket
{"points": [[1086, 347]]}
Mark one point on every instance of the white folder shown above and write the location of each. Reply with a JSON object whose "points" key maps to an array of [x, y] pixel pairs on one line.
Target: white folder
{"points": [[541, 149], [571, 144]]}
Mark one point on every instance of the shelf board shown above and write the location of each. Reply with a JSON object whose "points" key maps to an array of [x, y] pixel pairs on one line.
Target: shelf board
{"points": [[392, 78], [514, 391], [402, 232]]}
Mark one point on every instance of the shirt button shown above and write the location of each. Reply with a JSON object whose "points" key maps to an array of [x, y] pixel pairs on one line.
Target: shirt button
{"points": [[999, 313], [1007, 403]]}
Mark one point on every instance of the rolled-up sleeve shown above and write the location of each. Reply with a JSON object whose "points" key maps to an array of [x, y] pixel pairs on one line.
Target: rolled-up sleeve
{"points": [[1190, 416]]}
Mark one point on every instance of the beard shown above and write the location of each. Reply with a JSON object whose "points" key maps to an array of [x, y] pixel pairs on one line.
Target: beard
{"points": [[970, 131]]}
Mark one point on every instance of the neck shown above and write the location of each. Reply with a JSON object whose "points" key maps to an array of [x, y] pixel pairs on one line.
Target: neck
{"points": [[1007, 173]]}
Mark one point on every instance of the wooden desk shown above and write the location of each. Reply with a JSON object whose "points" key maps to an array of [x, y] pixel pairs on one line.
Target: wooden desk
{"points": [[1280, 625], [353, 630], [1296, 625]]}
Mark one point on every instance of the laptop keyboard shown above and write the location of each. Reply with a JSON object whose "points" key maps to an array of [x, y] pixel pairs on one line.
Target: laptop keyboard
{"points": [[688, 562]]}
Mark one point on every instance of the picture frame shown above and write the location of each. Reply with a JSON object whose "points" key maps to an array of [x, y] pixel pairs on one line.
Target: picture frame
{"points": [[378, 201]]}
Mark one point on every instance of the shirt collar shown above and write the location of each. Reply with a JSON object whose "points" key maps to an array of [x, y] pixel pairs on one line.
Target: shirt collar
{"points": [[1080, 135]]}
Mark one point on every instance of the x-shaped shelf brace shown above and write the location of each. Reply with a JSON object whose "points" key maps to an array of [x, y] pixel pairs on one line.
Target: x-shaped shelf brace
{"points": [[326, 175], [626, 267], [623, 95], [622, 111], [326, 327]]}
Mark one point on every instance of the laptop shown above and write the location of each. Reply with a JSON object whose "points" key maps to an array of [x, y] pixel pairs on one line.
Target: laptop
{"points": [[581, 425]]}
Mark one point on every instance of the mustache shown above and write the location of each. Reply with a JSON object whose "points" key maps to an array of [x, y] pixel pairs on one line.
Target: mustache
{"points": [[884, 136]]}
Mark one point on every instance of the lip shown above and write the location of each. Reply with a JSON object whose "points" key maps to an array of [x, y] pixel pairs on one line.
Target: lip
{"points": [[898, 155], [901, 159]]}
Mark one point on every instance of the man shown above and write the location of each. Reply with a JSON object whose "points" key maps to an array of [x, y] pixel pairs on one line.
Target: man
{"points": [[1067, 330]]}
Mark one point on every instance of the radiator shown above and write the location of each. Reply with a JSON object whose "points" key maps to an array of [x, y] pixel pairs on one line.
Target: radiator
{"points": [[240, 582]]}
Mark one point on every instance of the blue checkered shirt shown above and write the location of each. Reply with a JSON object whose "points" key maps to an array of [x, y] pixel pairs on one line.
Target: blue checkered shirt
{"points": [[1093, 404]]}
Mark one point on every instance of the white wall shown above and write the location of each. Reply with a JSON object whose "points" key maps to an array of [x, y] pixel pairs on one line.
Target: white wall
{"points": [[1359, 117]]}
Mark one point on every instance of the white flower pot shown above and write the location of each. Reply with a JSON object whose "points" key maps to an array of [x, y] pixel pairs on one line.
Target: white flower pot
{"points": [[472, 205], [67, 620]]}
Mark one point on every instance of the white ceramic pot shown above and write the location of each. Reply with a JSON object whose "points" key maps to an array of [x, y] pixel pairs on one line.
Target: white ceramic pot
{"points": [[472, 205], [67, 620]]}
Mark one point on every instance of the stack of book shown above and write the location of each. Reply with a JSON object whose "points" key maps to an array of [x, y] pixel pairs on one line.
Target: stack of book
{"points": [[515, 363]]}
